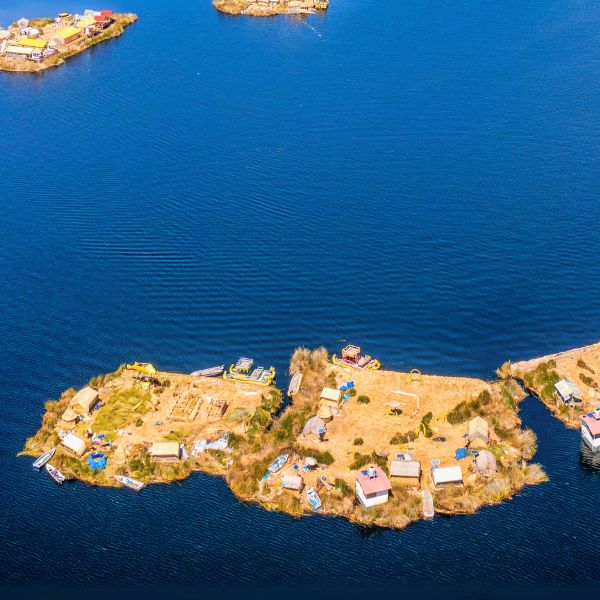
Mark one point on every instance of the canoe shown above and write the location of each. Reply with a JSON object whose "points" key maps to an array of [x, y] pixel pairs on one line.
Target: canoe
{"points": [[43, 459], [294, 384], [132, 484], [55, 474], [313, 499], [210, 372], [427, 500], [278, 463]]}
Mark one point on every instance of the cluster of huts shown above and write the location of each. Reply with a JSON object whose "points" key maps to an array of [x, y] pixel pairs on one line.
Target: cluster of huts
{"points": [[289, 6], [24, 41]]}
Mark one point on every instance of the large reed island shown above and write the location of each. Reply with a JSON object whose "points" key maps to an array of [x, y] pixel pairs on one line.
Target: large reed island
{"points": [[38, 44]]}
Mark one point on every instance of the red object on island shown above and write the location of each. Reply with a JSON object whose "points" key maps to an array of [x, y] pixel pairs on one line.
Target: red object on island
{"points": [[105, 13]]}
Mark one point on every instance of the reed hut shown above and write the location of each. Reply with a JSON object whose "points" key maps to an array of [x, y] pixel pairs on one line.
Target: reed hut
{"points": [[405, 472], [331, 397], [165, 452], [485, 463], [446, 476], [325, 413], [478, 430], [74, 444], [314, 426], [293, 482], [84, 400]]}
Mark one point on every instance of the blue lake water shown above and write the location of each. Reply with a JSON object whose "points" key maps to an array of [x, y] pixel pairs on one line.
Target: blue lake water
{"points": [[421, 178]]}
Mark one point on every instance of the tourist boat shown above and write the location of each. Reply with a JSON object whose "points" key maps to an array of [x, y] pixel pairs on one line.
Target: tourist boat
{"points": [[142, 367], [313, 498], [43, 459], [210, 372], [244, 372], [427, 500], [278, 463], [294, 384], [132, 484], [55, 474], [590, 430], [352, 357]]}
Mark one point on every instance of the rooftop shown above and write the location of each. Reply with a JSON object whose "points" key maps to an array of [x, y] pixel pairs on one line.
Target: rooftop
{"points": [[372, 485]]}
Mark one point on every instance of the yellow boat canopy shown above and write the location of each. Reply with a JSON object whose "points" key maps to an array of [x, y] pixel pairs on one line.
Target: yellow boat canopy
{"points": [[31, 43]]}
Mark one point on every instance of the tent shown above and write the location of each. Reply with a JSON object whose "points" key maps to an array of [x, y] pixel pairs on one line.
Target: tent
{"points": [[485, 462], [313, 425], [97, 461], [479, 429]]}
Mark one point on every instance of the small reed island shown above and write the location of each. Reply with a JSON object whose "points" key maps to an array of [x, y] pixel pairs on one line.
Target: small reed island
{"points": [[377, 447], [568, 383], [38, 44], [269, 8]]}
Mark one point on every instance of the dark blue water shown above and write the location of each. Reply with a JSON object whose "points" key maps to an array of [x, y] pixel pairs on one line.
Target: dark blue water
{"points": [[418, 177]]}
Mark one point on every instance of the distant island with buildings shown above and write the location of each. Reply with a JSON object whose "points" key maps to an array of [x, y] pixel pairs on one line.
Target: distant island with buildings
{"points": [[32, 45], [268, 8], [375, 446]]}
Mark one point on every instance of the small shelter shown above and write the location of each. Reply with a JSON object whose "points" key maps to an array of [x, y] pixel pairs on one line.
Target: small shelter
{"points": [[23, 23], [479, 429], [485, 463], [568, 392], [69, 415], [325, 413], [165, 451], [444, 476], [292, 482], [20, 51], [331, 397], [74, 443], [314, 425], [66, 36], [372, 487], [85, 400], [406, 471]]}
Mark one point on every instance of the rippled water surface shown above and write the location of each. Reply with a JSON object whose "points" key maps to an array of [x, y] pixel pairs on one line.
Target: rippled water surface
{"points": [[419, 177]]}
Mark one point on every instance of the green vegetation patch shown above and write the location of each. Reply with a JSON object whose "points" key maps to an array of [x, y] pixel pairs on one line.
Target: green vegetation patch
{"points": [[122, 407], [543, 379], [583, 365]]}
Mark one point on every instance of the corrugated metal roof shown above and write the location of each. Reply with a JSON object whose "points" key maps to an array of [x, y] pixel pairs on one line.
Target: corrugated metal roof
{"points": [[566, 388]]}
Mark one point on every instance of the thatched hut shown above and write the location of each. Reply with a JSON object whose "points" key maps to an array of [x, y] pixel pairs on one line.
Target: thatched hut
{"points": [[485, 463], [74, 444], [165, 451], [331, 397], [85, 400], [405, 471], [479, 430]]}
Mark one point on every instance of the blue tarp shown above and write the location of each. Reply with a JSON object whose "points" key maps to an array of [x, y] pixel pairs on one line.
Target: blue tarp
{"points": [[461, 453], [348, 385], [97, 461]]}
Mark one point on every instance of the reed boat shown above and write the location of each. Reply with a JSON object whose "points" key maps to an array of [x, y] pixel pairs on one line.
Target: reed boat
{"points": [[313, 498], [43, 459], [245, 372], [55, 474], [352, 357], [295, 383], [142, 367], [278, 463], [132, 484], [210, 372]]}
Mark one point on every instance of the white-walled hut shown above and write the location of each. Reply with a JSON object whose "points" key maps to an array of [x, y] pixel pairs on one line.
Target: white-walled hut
{"points": [[165, 451], [331, 397], [479, 429], [74, 444], [406, 472], [485, 463], [372, 487], [445, 476], [568, 392], [85, 400]]}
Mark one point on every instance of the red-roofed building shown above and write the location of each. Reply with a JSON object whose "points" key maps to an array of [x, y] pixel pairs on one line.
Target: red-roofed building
{"points": [[105, 13], [590, 429], [372, 487]]}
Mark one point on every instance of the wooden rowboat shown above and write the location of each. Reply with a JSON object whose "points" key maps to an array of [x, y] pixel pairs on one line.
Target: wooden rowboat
{"points": [[278, 463], [132, 484], [55, 474], [427, 499], [210, 372], [43, 459], [295, 384], [313, 499]]}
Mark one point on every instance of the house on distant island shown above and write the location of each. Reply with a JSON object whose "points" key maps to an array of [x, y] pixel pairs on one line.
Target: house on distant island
{"points": [[372, 487], [66, 36]]}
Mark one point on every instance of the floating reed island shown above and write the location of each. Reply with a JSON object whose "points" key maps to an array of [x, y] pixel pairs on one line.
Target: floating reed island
{"points": [[377, 447], [568, 383], [38, 44], [269, 8]]}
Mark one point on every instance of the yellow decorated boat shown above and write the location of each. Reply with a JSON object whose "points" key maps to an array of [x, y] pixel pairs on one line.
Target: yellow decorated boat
{"points": [[245, 372], [142, 367], [353, 358]]}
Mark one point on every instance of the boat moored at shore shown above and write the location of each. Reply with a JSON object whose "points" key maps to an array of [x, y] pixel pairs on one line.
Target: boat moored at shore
{"points": [[43, 459], [245, 372], [132, 484], [210, 372], [352, 357], [55, 474]]}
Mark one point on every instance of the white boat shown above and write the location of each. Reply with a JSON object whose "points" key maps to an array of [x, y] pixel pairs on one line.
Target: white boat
{"points": [[184, 452], [55, 474], [313, 498], [294, 384], [427, 500], [590, 430], [278, 463], [43, 459], [132, 484], [210, 372]]}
